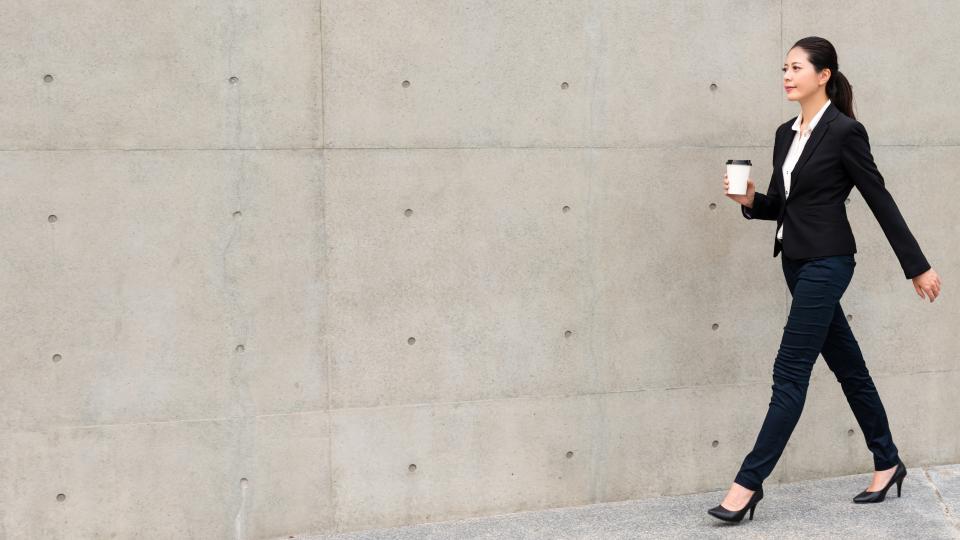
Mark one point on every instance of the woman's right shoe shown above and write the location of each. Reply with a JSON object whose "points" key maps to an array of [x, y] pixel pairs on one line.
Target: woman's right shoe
{"points": [[878, 496], [720, 512]]}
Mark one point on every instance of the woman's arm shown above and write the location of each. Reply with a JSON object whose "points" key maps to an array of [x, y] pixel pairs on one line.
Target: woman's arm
{"points": [[766, 206], [859, 164]]}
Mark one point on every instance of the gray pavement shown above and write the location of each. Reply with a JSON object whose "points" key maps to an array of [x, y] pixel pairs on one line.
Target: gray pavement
{"points": [[929, 508]]}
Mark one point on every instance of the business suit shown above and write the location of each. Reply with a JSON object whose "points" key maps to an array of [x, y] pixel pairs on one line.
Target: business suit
{"points": [[835, 159], [818, 265]]}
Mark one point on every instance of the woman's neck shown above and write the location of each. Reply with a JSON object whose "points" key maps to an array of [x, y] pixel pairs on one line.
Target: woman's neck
{"points": [[809, 109]]}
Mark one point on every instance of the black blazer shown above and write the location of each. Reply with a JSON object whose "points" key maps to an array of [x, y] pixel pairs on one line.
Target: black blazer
{"points": [[835, 158]]}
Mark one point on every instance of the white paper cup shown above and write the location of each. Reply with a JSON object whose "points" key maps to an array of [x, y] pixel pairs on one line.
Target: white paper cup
{"points": [[738, 171]]}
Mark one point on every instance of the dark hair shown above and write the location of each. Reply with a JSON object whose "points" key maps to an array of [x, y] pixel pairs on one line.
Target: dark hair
{"points": [[821, 54]]}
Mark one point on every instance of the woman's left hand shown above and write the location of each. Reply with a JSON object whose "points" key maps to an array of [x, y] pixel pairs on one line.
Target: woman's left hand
{"points": [[927, 282]]}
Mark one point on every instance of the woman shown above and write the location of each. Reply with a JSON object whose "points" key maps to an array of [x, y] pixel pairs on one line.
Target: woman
{"points": [[816, 165]]}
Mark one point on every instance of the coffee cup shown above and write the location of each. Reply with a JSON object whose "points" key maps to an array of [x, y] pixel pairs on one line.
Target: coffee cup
{"points": [[738, 171]]}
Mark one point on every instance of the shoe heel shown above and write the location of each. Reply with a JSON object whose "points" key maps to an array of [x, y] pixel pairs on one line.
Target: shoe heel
{"points": [[900, 481], [751, 510]]}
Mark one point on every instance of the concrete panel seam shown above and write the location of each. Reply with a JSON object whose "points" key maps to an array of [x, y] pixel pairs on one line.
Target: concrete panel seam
{"points": [[488, 147], [943, 505]]}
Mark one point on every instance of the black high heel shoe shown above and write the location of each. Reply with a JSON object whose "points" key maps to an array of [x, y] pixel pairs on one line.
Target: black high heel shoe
{"points": [[878, 496], [720, 512]]}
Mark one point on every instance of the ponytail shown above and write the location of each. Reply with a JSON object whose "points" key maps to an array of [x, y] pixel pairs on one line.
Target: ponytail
{"points": [[841, 93]]}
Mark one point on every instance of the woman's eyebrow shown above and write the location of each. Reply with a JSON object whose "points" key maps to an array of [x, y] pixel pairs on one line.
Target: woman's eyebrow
{"points": [[795, 63]]}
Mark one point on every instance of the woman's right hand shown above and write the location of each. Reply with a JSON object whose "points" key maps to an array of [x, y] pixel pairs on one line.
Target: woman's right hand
{"points": [[746, 200]]}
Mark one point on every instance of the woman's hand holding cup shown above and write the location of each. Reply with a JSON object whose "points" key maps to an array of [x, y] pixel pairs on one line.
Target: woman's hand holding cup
{"points": [[746, 200]]}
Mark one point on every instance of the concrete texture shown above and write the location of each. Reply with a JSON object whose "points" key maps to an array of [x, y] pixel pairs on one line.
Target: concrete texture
{"points": [[928, 508], [291, 267]]}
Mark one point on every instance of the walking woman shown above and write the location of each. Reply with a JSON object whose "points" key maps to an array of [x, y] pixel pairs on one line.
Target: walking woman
{"points": [[818, 158]]}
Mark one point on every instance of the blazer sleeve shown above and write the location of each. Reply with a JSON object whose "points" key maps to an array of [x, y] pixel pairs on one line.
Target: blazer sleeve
{"points": [[859, 165], [766, 206]]}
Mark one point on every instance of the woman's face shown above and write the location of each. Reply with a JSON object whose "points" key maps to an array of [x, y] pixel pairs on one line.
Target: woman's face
{"points": [[800, 78]]}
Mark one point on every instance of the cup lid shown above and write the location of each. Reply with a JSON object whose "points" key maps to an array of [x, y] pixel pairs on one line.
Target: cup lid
{"points": [[738, 162]]}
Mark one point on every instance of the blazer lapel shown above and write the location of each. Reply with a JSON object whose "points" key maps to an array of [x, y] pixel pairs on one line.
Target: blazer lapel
{"points": [[781, 148], [810, 147]]}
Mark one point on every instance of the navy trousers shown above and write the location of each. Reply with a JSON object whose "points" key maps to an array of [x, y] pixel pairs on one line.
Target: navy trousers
{"points": [[816, 325]]}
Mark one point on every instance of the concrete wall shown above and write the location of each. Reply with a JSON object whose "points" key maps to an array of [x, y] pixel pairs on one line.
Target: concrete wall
{"points": [[318, 298]]}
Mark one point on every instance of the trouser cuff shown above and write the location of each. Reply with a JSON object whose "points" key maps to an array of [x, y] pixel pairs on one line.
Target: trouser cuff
{"points": [[747, 483], [882, 465]]}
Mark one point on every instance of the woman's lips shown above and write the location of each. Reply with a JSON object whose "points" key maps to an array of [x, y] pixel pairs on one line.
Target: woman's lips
{"points": [[789, 88]]}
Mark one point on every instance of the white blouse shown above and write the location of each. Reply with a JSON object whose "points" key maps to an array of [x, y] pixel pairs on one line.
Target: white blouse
{"points": [[796, 148]]}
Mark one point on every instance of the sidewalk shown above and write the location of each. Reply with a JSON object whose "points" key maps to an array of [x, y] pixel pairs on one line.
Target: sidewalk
{"points": [[928, 509]]}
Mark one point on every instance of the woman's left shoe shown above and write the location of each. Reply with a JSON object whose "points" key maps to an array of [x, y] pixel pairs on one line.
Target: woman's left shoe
{"points": [[720, 512], [878, 496]]}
